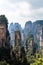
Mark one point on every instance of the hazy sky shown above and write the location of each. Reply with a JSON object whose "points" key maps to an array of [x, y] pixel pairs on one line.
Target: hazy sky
{"points": [[22, 10]]}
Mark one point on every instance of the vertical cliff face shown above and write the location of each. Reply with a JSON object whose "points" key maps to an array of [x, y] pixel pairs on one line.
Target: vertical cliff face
{"points": [[17, 46], [38, 32], [35, 28], [12, 28], [2, 35], [11, 31], [4, 38], [3, 31], [28, 28]]}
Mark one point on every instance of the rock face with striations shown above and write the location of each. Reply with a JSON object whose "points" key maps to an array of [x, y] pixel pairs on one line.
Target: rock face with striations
{"points": [[4, 38], [35, 28], [12, 29], [4, 33], [28, 28], [38, 32]]}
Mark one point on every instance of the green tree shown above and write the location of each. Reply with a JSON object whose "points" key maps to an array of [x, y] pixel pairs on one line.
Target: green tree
{"points": [[4, 63], [36, 59]]}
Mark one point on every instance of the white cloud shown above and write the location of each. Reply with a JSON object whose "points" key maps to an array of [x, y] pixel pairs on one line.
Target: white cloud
{"points": [[13, 11], [37, 14], [19, 11]]}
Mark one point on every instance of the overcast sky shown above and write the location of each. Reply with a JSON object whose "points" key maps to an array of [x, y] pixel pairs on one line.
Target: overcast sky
{"points": [[22, 10]]}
